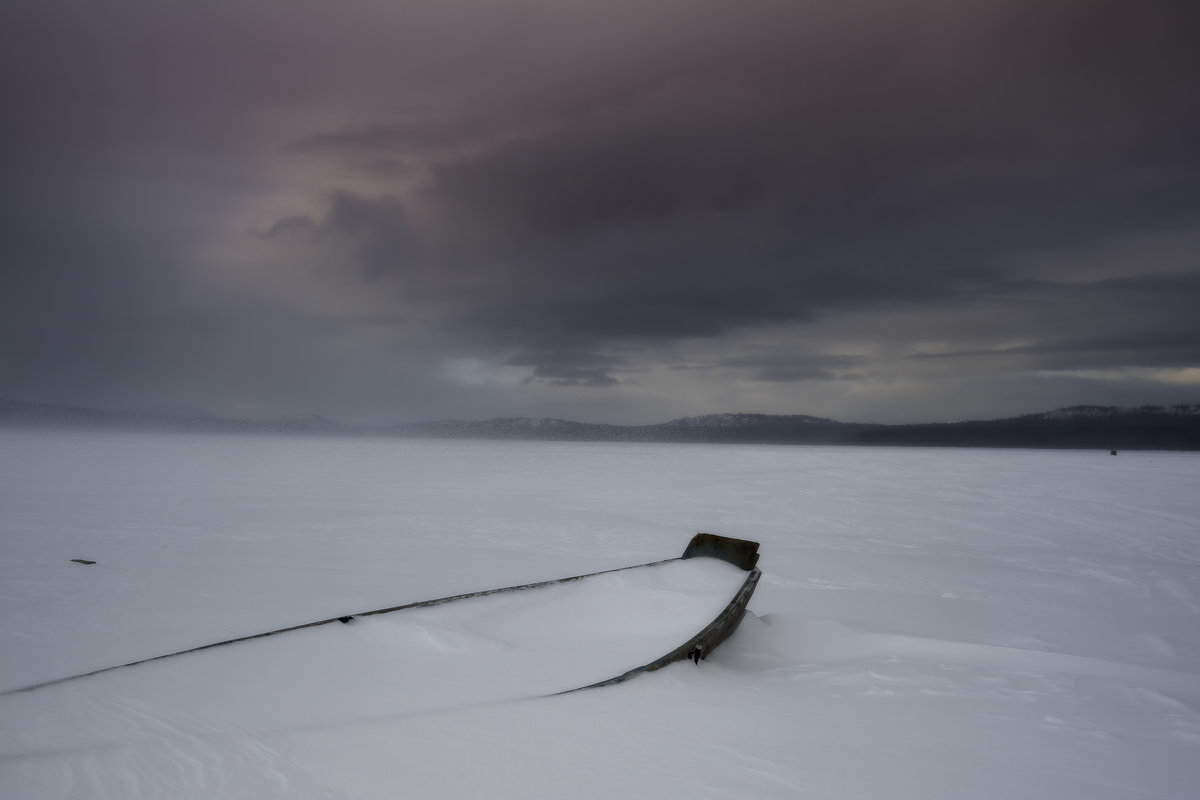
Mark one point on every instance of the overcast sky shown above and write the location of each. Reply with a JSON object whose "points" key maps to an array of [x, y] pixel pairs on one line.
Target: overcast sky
{"points": [[896, 210]]}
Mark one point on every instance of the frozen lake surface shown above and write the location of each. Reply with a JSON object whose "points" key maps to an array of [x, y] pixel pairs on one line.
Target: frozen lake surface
{"points": [[930, 624]]}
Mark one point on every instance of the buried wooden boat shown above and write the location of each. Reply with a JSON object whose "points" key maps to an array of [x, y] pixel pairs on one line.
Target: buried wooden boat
{"points": [[496, 645]]}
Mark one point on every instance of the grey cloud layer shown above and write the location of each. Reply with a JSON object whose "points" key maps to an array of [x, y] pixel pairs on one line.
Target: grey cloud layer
{"points": [[539, 185]]}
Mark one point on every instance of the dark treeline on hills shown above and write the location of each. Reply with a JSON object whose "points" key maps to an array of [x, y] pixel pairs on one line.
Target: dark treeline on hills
{"points": [[1093, 427]]}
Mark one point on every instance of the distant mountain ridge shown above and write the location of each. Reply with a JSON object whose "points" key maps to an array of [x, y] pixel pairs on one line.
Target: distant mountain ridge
{"points": [[740, 420], [1102, 427], [1115, 412]]}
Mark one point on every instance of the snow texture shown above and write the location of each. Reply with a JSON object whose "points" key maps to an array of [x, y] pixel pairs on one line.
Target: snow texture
{"points": [[930, 624]]}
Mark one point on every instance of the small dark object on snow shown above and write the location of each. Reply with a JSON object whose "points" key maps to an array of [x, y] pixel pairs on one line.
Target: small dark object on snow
{"points": [[1112, 452], [345, 620], [82, 561]]}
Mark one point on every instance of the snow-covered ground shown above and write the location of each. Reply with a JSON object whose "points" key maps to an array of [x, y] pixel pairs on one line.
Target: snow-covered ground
{"points": [[930, 624]]}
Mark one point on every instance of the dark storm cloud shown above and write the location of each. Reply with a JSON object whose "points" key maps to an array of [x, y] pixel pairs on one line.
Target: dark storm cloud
{"points": [[567, 367], [1144, 321], [296, 226], [561, 181], [790, 367], [1154, 350], [910, 163], [572, 376]]}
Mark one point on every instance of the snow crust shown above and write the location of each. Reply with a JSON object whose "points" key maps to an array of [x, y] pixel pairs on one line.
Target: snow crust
{"points": [[930, 624]]}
